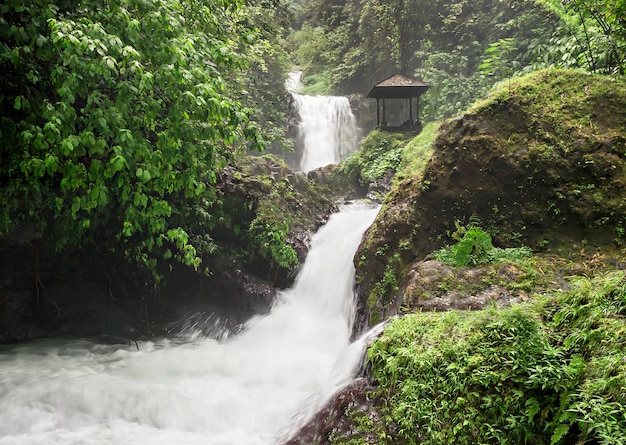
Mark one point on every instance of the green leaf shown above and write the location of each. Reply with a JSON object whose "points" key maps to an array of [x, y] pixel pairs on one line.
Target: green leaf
{"points": [[559, 433]]}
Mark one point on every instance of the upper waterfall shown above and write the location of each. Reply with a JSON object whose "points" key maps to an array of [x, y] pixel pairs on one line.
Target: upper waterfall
{"points": [[327, 131]]}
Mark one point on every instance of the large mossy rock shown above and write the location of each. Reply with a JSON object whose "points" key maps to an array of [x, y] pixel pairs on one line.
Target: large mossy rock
{"points": [[541, 162]]}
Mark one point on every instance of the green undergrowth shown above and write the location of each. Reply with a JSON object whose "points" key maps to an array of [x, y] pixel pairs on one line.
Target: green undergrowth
{"points": [[380, 153], [264, 207], [316, 84], [549, 372], [383, 153]]}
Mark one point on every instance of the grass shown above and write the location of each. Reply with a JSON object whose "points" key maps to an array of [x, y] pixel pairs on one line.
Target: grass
{"points": [[417, 153], [474, 247], [382, 153]]}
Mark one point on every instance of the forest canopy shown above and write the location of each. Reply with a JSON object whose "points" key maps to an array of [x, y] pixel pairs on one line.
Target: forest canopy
{"points": [[460, 47]]}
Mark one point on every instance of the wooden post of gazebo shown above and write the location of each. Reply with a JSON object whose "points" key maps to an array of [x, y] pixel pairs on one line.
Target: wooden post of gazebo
{"points": [[398, 86]]}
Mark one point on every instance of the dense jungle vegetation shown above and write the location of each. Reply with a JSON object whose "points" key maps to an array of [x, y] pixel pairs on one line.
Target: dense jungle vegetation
{"points": [[548, 372], [117, 118]]}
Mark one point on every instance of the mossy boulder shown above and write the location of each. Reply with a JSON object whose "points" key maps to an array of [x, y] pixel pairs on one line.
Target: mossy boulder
{"points": [[262, 196], [541, 162]]}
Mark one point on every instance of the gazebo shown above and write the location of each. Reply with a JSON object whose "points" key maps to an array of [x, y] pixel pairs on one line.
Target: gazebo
{"points": [[398, 86]]}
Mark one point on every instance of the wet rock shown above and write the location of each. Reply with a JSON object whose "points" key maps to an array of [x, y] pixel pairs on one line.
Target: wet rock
{"points": [[339, 417], [254, 295], [16, 308], [434, 286], [379, 188]]}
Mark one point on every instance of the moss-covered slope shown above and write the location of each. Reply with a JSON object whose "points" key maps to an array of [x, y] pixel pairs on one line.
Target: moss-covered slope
{"points": [[541, 162]]}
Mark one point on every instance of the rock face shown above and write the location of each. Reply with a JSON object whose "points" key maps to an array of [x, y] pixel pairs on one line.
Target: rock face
{"points": [[542, 163], [434, 286], [45, 293]]}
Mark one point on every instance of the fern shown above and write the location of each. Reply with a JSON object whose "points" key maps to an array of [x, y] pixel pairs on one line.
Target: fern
{"points": [[475, 248]]}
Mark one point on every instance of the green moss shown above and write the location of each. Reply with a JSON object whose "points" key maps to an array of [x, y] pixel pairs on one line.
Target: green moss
{"points": [[417, 153], [368, 429], [385, 289], [380, 153], [553, 371], [263, 205], [557, 108]]}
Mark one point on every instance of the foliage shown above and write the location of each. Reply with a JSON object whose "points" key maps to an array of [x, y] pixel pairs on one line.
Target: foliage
{"points": [[264, 205], [109, 134], [386, 288], [380, 154], [450, 92], [316, 84], [265, 91], [497, 61], [474, 247], [455, 46], [597, 33], [268, 234], [357, 43], [307, 43], [550, 372]]}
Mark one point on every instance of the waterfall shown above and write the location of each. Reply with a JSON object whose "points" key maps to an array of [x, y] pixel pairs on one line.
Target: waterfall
{"points": [[327, 131], [241, 390]]}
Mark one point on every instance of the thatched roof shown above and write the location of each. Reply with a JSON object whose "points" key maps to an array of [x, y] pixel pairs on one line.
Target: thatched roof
{"points": [[398, 86]]}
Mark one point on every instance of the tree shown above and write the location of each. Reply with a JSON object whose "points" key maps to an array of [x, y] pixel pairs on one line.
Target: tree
{"points": [[598, 30], [442, 42], [117, 119]]}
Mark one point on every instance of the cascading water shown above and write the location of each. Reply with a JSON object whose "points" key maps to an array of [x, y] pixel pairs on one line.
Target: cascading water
{"points": [[244, 390], [327, 132]]}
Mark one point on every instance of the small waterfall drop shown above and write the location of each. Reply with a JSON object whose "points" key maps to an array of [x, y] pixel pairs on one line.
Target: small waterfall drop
{"points": [[327, 131], [242, 390]]}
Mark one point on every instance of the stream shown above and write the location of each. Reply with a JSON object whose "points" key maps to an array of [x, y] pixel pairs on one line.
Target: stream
{"points": [[253, 388], [243, 390]]}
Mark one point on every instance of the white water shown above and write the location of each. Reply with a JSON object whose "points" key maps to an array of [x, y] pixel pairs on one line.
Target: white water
{"points": [[327, 132], [244, 391]]}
